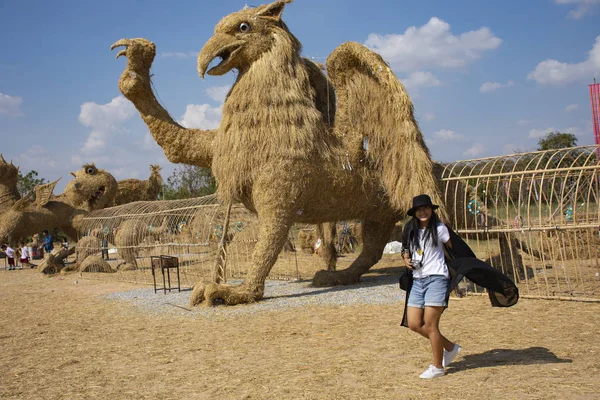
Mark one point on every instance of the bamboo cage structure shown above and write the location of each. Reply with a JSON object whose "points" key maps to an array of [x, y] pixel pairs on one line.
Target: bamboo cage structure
{"points": [[193, 230], [535, 216]]}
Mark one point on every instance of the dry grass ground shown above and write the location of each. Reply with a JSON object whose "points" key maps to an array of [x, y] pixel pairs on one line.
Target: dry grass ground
{"points": [[61, 340]]}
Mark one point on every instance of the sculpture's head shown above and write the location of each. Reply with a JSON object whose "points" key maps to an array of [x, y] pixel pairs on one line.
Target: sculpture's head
{"points": [[244, 37], [92, 189], [8, 172]]}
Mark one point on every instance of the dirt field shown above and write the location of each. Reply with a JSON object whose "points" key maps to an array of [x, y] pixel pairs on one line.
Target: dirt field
{"points": [[64, 340]]}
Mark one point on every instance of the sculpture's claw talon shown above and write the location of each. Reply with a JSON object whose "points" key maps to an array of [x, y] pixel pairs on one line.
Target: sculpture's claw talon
{"points": [[119, 43], [122, 53]]}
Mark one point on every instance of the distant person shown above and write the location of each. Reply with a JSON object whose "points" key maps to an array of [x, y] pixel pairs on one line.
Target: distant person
{"points": [[47, 242], [104, 248], [10, 255], [423, 239], [24, 255]]}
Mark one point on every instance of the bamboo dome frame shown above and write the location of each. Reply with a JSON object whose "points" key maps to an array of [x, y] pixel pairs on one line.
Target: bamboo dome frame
{"points": [[192, 230], [533, 215]]}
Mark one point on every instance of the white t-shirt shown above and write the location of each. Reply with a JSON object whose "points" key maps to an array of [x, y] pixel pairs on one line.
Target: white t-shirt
{"points": [[432, 258], [10, 253], [24, 252]]}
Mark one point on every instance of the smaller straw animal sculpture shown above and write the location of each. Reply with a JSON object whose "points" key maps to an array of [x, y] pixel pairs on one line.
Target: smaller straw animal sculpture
{"points": [[131, 190], [91, 189], [131, 234]]}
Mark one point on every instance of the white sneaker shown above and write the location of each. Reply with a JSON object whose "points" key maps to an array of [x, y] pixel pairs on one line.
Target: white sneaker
{"points": [[449, 356], [432, 372]]}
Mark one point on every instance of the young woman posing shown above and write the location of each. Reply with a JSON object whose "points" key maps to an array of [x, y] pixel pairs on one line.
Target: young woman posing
{"points": [[423, 238]]}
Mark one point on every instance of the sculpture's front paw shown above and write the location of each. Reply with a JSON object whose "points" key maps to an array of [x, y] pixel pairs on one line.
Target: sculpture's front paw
{"points": [[215, 294], [140, 52], [197, 296], [333, 278]]}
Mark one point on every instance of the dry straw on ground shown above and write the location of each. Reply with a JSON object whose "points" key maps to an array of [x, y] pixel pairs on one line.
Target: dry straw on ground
{"points": [[64, 328]]}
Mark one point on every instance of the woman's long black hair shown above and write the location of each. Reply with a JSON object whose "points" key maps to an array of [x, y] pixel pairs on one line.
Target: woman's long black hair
{"points": [[410, 235]]}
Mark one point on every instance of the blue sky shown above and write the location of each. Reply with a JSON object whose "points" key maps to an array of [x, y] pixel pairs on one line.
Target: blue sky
{"points": [[487, 77]]}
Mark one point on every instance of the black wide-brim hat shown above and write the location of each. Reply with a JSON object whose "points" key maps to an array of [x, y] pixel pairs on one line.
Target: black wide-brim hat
{"points": [[420, 201]]}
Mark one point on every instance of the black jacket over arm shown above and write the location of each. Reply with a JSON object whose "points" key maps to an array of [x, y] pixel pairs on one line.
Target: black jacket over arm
{"points": [[461, 263]]}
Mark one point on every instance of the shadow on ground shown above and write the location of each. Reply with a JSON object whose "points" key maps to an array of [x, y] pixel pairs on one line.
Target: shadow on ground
{"points": [[501, 357]]}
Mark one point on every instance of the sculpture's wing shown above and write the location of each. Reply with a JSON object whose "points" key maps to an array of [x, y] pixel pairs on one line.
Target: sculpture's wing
{"points": [[22, 204], [43, 193], [375, 119]]}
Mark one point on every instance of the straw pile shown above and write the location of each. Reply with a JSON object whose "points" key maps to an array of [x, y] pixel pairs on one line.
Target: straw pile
{"points": [[95, 264]]}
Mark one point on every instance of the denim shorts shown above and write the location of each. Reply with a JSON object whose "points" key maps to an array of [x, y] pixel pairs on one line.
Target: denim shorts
{"points": [[429, 292]]}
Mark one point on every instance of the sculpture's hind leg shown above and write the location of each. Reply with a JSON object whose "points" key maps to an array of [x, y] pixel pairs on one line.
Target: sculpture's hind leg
{"points": [[375, 236], [327, 250], [272, 236]]}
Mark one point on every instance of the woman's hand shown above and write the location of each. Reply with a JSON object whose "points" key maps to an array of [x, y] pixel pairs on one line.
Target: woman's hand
{"points": [[407, 263]]}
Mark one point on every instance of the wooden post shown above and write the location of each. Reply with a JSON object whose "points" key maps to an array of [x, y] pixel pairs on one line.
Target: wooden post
{"points": [[220, 270]]}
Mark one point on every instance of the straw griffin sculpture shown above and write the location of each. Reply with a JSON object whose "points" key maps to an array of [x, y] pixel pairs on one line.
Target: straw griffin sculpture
{"points": [[131, 190], [286, 148]]}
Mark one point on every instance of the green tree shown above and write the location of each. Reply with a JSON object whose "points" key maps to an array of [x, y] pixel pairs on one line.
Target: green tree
{"points": [[557, 140], [26, 183], [189, 181]]}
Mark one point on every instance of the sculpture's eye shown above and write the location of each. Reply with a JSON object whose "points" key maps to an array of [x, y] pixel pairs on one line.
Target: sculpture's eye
{"points": [[90, 170], [244, 27]]}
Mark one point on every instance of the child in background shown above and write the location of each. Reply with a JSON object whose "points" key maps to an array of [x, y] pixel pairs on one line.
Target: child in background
{"points": [[24, 255], [10, 255]]}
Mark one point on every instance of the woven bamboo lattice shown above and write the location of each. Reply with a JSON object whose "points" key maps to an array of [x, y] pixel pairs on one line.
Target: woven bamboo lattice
{"points": [[535, 216], [190, 229]]}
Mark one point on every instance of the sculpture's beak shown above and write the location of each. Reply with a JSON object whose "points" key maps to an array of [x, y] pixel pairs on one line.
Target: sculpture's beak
{"points": [[220, 45]]}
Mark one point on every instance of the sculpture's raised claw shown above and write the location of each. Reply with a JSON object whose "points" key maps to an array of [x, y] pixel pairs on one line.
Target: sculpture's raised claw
{"points": [[139, 51], [120, 43]]}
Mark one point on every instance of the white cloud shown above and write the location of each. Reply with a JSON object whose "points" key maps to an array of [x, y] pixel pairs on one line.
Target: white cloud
{"points": [[571, 107], [178, 54], [429, 116], [582, 7], [10, 105], [420, 79], [493, 86], [446, 135], [475, 151], [201, 116], [105, 121], [432, 46], [553, 72], [218, 93]]}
